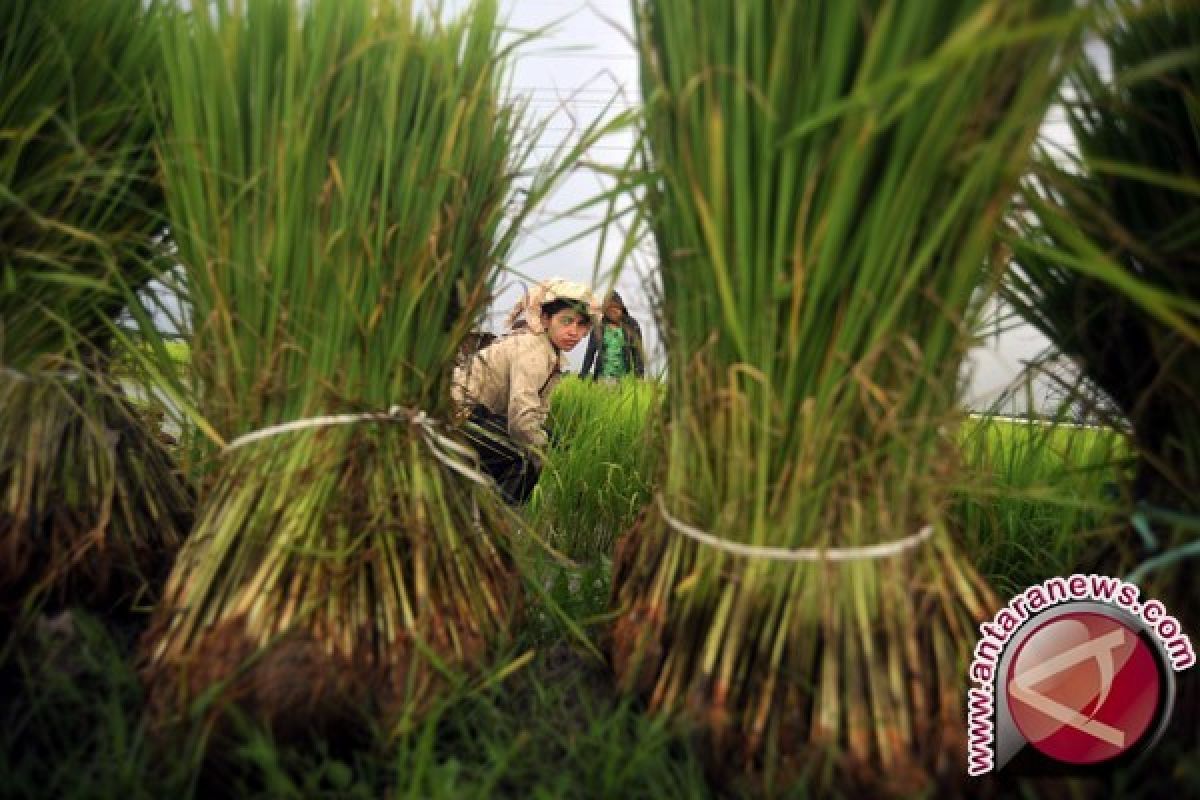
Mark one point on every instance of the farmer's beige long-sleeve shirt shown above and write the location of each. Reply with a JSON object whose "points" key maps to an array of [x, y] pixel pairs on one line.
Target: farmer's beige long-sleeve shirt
{"points": [[513, 376]]}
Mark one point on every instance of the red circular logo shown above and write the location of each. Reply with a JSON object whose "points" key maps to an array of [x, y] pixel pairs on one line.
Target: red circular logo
{"points": [[1083, 688]]}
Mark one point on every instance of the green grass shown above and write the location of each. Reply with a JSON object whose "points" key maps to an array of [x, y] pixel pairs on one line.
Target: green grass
{"points": [[1032, 502], [130, 364], [599, 473], [179, 352], [553, 729], [1038, 499]]}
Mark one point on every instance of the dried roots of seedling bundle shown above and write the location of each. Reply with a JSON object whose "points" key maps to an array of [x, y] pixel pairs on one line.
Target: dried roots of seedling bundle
{"points": [[850, 673], [333, 578], [93, 507]]}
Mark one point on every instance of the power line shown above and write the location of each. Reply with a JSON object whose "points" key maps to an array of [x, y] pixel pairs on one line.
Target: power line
{"points": [[576, 56], [580, 90]]}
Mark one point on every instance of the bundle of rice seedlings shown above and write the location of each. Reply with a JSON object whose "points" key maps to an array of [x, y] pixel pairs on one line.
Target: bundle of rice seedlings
{"points": [[1107, 266], [1106, 262], [824, 183], [340, 180], [91, 505]]}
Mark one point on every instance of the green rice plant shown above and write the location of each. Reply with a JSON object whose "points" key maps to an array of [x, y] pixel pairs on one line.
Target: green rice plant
{"points": [[341, 177], [1036, 498], [596, 478], [91, 504], [1105, 255], [823, 183], [70, 721], [1106, 264], [82, 199]]}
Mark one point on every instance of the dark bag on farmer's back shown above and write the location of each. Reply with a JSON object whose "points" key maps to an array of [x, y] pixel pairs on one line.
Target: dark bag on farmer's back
{"points": [[514, 470], [489, 431]]}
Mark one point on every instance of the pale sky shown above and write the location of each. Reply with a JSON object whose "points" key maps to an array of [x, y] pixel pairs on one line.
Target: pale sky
{"points": [[583, 69]]}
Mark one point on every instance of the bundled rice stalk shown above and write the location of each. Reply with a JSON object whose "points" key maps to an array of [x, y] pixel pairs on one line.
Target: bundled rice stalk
{"points": [[825, 181], [1125, 214], [91, 505], [1107, 266], [339, 180]]}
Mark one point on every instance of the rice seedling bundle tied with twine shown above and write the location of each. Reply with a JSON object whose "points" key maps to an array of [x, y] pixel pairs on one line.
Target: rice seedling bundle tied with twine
{"points": [[339, 175], [1105, 260], [91, 505], [824, 183]]}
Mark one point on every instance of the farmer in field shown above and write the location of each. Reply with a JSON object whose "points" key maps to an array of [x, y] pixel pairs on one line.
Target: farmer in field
{"points": [[614, 348], [505, 387]]}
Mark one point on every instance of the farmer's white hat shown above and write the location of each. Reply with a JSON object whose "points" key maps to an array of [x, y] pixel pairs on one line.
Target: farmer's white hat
{"points": [[529, 308]]}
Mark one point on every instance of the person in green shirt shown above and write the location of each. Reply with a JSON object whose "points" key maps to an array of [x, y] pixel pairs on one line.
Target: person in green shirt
{"points": [[614, 348]]}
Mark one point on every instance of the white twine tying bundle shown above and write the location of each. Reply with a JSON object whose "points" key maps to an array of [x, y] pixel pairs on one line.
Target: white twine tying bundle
{"points": [[25, 377], [454, 456], [859, 553]]}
